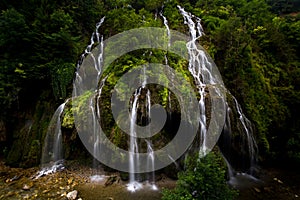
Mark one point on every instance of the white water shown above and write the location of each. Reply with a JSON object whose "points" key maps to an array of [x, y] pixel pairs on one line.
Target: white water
{"points": [[53, 141], [150, 151], [247, 130], [150, 162], [52, 157], [96, 132], [167, 26], [96, 37], [134, 162], [198, 64], [133, 146], [200, 68], [58, 149]]}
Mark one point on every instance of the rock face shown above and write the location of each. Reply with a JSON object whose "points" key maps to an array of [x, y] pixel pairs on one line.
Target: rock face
{"points": [[2, 131]]}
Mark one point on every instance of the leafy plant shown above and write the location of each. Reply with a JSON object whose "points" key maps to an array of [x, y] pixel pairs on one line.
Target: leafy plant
{"points": [[203, 179]]}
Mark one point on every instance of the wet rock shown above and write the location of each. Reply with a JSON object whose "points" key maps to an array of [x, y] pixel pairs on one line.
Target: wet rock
{"points": [[70, 180], [16, 177], [257, 190], [72, 195], [111, 180], [46, 191], [27, 186], [268, 189], [279, 181], [2, 131], [124, 176]]}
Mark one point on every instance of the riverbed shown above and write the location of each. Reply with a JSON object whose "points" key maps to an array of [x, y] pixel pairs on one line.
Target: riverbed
{"points": [[17, 183]]}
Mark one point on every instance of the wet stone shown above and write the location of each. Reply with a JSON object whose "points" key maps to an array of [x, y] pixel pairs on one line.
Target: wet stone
{"points": [[72, 195]]}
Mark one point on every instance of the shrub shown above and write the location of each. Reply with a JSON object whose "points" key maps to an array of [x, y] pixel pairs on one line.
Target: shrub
{"points": [[203, 179]]}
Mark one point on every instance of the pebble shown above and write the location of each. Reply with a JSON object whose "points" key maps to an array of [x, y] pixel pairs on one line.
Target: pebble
{"points": [[256, 189], [72, 195], [46, 191], [276, 179], [26, 187], [70, 180]]}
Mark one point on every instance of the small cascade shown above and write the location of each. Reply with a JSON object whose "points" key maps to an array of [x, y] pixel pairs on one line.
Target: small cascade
{"points": [[52, 157], [134, 161], [95, 110], [96, 140], [248, 131], [242, 154], [167, 27], [133, 146], [166, 61], [98, 62], [201, 70], [174, 161], [150, 152], [198, 64], [150, 165]]}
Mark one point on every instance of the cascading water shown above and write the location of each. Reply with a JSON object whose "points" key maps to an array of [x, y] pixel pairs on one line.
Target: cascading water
{"points": [[166, 25], [247, 144], [150, 152], [247, 130], [134, 161], [133, 146], [52, 156], [200, 68], [96, 37], [198, 64], [94, 100], [166, 60]]}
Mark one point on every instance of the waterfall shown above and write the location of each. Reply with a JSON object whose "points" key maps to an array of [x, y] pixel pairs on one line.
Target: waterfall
{"points": [[167, 26], [52, 155], [247, 130], [134, 161], [166, 61], [198, 64], [96, 117], [96, 37], [150, 152], [150, 165], [201, 70], [133, 146], [53, 151]]}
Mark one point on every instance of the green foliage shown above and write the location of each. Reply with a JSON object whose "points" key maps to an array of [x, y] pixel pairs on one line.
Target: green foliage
{"points": [[293, 146], [68, 120], [203, 179], [61, 76]]}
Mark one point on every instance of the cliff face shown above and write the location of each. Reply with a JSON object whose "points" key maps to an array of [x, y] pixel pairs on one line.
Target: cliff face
{"points": [[22, 131]]}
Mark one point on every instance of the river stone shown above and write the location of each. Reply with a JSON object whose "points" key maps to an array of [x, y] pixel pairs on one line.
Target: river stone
{"points": [[72, 195]]}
